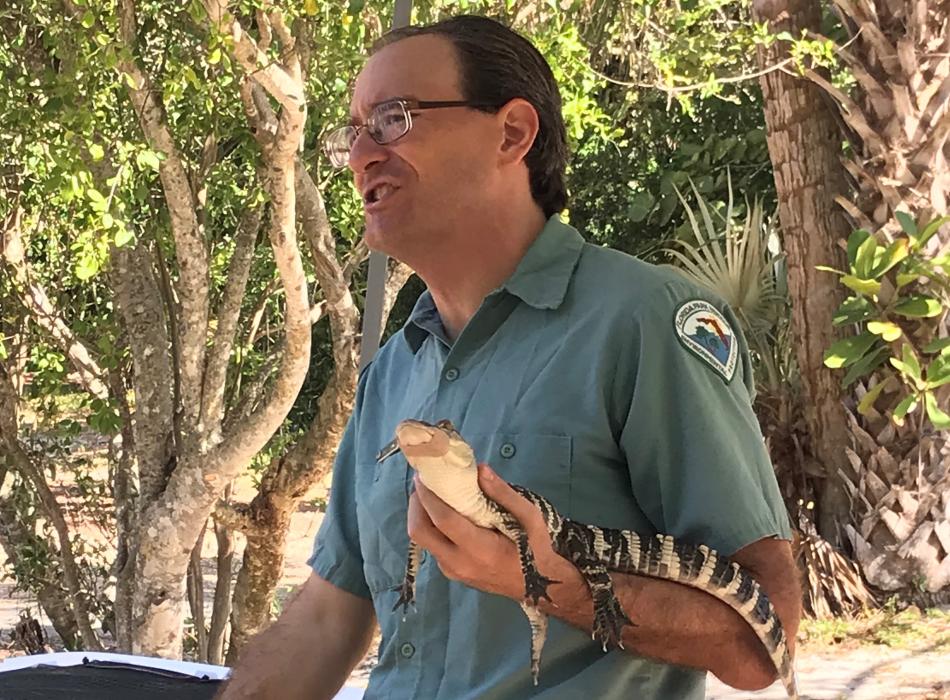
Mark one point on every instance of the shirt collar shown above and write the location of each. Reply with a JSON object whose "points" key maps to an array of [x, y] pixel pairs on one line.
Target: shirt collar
{"points": [[544, 273], [540, 280]]}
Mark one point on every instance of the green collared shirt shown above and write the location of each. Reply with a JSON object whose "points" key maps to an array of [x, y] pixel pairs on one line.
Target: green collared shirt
{"points": [[591, 378]]}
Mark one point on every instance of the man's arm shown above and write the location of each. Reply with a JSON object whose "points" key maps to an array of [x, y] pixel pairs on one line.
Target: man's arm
{"points": [[674, 623], [308, 653]]}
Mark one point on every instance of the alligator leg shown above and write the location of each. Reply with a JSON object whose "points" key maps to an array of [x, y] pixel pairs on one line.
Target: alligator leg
{"points": [[535, 583], [539, 632], [609, 617], [407, 589]]}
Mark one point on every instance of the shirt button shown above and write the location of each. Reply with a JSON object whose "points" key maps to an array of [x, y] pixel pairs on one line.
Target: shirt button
{"points": [[507, 450], [451, 374], [407, 650]]}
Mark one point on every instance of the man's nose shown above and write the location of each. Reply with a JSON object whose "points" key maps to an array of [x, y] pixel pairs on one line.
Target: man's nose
{"points": [[366, 153]]}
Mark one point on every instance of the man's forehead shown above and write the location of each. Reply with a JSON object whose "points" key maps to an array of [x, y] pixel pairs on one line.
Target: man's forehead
{"points": [[420, 67]]}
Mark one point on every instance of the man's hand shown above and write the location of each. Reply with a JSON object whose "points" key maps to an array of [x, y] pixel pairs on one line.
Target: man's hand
{"points": [[481, 558]]}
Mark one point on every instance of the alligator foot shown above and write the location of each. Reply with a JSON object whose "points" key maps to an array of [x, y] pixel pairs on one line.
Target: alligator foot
{"points": [[407, 597], [609, 619], [536, 584]]}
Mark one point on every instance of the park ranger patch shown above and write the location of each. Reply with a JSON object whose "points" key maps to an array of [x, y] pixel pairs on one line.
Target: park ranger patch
{"points": [[707, 334]]}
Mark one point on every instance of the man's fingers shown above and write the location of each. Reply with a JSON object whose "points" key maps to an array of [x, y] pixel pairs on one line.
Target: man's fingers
{"points": [[498, 490], [449, 522], [424, 532]]}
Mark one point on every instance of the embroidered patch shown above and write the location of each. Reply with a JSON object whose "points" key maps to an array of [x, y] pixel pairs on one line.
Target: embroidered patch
{"points": [[706, 333]]}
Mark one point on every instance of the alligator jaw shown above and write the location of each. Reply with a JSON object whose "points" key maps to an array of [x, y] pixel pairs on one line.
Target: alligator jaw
{"points": [[388, 451]]}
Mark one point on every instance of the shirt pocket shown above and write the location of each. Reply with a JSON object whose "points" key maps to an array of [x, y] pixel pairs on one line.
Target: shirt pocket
{"points": [[381, 508], [539, 462]]}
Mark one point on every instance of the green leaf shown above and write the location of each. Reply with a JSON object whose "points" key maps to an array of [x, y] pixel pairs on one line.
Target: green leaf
{"points": [[123, 236], [932, 228], [825, 268], [919, 307], [215, 56], [908, 364], [864, 366], [908, 404], [107, 220], [937, 345], [848, 351], [855, 240], [905, 278], [88, 19], [864, 259], [641, 204], [936, 415], [853, 310], [867, 401], [907, 223], [938, 372], [893, 254], [887, 330], [861, 286], [147, 159], [96, 151]]}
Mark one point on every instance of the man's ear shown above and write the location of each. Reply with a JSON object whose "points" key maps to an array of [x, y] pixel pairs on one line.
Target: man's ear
{"points": [[519, 122]]}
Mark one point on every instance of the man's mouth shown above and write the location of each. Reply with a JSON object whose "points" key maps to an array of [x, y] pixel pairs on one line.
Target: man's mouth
{"points": [[378, 194]]}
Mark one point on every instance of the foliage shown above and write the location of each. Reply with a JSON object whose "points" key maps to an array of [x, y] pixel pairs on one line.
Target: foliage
{"points": [[731, 256], [890, 626], [900, 294]]}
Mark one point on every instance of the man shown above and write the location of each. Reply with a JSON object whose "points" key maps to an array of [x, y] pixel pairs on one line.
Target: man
{"points": [[614, 388]]}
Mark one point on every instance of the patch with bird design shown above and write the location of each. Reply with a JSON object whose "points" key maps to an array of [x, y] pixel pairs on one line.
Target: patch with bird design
{"points": [[705, 332]]}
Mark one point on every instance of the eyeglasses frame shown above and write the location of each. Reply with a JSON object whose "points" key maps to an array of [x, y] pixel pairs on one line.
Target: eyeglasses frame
{"points": [[409, 106]]}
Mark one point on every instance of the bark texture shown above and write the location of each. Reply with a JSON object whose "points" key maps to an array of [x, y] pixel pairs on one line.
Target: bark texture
{"points": [[804, 144]]}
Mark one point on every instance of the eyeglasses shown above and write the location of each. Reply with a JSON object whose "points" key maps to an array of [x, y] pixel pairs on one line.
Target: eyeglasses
{"points": [[389, 121]]}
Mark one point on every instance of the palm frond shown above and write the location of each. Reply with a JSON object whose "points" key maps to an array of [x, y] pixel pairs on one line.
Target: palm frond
{"points": [[732, 259]]}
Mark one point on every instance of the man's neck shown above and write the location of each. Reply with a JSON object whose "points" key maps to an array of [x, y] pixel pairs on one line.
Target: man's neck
{"points": [[486, 258]]}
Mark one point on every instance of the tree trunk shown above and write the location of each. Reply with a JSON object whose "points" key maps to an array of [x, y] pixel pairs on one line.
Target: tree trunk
{"points": [[804, 145], [269, 520], [222, 592], [16, 537]]}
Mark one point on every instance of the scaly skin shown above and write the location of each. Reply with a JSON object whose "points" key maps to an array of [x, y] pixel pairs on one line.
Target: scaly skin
{"points": [[447, 466]]}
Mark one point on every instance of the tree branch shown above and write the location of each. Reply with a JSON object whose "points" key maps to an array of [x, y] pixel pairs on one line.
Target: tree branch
{"points": [[284, 85], [139, 302], [192, 256], [34, 297], [229, 312]]}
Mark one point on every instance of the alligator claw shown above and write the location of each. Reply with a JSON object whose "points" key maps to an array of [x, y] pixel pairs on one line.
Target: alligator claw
{"points": [[609, 619]]}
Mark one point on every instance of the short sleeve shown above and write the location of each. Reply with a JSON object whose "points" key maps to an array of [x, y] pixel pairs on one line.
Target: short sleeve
{"points": [[336, 553], [698, 463]]}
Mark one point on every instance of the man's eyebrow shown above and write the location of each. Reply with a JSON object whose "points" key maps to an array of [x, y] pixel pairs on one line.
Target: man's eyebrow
{"points": [[409, 97]]}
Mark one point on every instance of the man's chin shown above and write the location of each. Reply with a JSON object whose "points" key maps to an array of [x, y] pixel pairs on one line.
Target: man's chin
{"points": [[380, 238]]}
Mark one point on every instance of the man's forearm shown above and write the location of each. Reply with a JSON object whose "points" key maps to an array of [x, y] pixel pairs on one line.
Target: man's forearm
{"points": [[675, 624], [309, 651], [275, 666]]}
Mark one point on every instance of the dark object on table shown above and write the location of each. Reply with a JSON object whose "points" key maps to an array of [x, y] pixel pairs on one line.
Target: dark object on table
{"points": [[103, 680]]}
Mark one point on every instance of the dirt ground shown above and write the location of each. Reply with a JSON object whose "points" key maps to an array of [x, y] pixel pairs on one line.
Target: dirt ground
{"points": [[825, 671]]}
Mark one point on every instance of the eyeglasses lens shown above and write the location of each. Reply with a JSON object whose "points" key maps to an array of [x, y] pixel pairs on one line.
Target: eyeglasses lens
{"points": [[387, 123]]}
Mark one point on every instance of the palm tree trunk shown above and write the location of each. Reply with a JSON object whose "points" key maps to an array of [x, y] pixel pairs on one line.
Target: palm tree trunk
{"points": [[804, 142]]}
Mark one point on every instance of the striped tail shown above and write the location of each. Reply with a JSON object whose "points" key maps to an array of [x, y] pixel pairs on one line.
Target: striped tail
{"points": [[662, 556]]}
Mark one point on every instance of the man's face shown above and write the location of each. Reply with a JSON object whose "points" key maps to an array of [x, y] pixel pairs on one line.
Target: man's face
{"points": [[416, 188]]}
